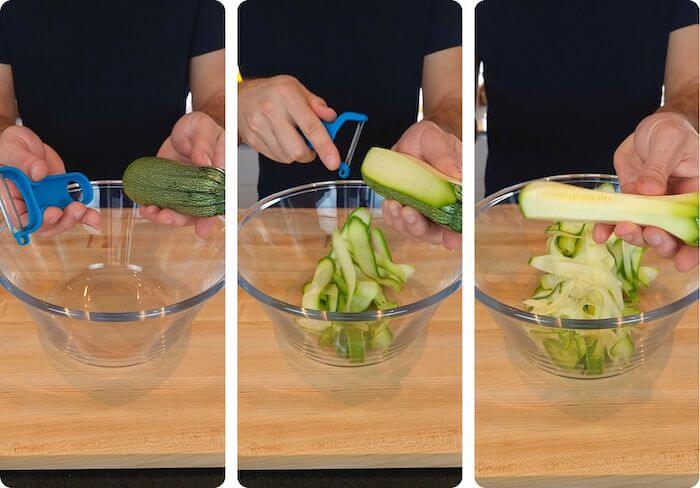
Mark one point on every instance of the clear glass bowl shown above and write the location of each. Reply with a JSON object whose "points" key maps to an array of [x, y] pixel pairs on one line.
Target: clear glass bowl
{"points": [[120, 295], [505, 241], [280, 241]]}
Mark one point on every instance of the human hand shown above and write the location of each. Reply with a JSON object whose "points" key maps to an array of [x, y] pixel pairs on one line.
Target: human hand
{"points": [[269, 112], [659, 158], [195, 139], [23, 149], [428, 142]]}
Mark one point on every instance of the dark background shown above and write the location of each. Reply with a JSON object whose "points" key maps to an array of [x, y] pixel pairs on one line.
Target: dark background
{"points": [[205, 478]]}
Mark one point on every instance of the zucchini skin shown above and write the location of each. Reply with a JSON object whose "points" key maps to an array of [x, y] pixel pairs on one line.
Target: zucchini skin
{"points": [[198, 191], [449, 216]]}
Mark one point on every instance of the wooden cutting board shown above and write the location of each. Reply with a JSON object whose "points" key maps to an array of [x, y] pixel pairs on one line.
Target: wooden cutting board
{"points": [[534, 429], [294, 413], [56, 413]]}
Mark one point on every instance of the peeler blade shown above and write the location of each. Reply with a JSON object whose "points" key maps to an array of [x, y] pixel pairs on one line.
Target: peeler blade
{"points": [[345, 169], [7, 205]]}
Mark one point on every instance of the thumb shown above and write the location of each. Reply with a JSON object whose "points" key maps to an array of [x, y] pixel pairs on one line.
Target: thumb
{"points": [[443, 151], [428, 142], [661, 159], [658, 141]]}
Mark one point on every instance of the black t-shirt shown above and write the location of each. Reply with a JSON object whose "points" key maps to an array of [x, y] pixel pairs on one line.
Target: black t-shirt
{"points": [[568, 81], [362, 56], [103, 82]]}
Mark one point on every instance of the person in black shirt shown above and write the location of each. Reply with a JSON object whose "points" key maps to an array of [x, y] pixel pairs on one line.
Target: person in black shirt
{"points": [[99, 83], [306, 61], [576, 87]]}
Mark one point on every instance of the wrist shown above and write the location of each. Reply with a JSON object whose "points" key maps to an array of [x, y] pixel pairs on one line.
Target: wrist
{"points": [[6, 123], [446, 124], [683, 108], [215, 109], [668, 118]]}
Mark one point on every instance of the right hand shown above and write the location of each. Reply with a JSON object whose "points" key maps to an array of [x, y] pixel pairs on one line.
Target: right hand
{"points": [[23, 149], [660, 157], [196, 139], [269, 112], [428, 142]]}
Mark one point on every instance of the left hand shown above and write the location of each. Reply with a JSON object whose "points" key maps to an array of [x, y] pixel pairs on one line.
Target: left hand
{"points": [[659, 158], [195, 139], [428, 142]]}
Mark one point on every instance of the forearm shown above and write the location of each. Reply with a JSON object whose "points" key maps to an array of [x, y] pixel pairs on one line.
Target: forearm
{"points": [[215, 108], [684, 103], [448, 116]]}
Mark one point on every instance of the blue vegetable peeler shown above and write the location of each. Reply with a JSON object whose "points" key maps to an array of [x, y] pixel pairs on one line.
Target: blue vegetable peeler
{"points": [[52, 191], [334, 127]]}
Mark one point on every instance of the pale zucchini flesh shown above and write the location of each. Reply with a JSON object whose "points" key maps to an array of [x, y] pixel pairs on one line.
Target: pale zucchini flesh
{"points": [[399, 177], [676, 214]]}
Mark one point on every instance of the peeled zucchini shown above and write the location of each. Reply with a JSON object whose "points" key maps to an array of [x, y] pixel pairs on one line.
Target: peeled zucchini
{"points": [[676, 214], [416, 184]]}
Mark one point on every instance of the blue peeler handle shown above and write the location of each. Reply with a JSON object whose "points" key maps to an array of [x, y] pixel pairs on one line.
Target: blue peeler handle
{"points": [[52, 191], [344, 170], [334, 127]]}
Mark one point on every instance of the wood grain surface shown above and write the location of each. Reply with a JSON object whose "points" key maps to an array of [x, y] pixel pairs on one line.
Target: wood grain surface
{"points": [[534, 429], [295, 413], [56, 413]]}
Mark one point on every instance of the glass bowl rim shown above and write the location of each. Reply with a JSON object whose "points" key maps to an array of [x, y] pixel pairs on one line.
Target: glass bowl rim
{"points": [[581, 324], [332, 316], [109, 316]]}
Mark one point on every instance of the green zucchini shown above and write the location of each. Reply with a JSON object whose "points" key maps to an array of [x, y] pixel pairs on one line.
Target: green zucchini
{"points": [[416, 184], [359, 213], [623, 349], [326, 339], [359, 236], [364, 295], [350, 279], [322, 277], [192, 190], [346, 267], [331, 293], [364, 255], [379, 243], [356, 344], [382, 337], [566, 357]]}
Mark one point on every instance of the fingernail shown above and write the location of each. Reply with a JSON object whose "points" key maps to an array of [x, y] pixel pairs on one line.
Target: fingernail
{"points": [[52, 219], [653, 239], [167, 220], [35, 172], [78, 214], [410, 218]]}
